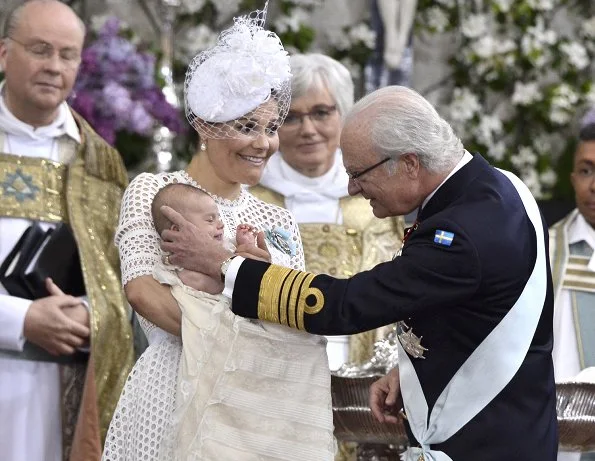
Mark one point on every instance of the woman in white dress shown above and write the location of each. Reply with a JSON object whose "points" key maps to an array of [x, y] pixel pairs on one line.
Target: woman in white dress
{"points": [[237, 94]]}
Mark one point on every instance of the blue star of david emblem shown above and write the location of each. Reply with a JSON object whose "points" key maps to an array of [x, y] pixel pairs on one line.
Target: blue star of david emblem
{"points": [[19, 185]]}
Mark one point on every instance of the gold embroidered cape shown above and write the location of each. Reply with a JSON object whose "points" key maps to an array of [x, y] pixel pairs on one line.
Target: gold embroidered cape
{"points": [[94, 183]]}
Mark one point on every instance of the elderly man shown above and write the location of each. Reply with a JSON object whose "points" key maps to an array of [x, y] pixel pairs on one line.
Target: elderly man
{"points": [[471, 288], [55, 169], [572, 241]]}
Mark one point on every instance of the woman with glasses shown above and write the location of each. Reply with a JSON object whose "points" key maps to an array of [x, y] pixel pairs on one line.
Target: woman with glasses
{"points": [[340, 234]]}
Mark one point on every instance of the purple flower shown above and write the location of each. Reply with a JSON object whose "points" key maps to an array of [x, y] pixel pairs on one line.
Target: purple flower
{"points": [[117, 97], [110, 28], [116, 88], [106, 132], [140, 121], [83, 102]]}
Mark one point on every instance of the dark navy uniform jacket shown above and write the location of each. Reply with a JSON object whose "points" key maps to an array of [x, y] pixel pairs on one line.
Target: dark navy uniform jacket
{"points": [[453, 296]]}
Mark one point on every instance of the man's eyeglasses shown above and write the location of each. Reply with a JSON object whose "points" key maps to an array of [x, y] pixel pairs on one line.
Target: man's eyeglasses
{"points": [[42, 51], [354, 176], [318, 115], [585, 173]]}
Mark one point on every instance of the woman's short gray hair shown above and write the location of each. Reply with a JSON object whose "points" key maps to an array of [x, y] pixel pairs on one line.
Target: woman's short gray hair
{"points": [[401, 121], [316, 70]]}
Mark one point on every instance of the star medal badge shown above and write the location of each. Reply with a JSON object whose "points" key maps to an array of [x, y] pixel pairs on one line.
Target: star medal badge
{"points": [[281, 240], [410, 342]]}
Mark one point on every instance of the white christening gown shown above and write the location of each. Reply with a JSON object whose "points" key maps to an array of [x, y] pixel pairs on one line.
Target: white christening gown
{"points": [[275, 378]]}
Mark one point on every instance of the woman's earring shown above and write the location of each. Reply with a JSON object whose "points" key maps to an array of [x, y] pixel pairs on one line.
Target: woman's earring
{"points": [[203, 146]]}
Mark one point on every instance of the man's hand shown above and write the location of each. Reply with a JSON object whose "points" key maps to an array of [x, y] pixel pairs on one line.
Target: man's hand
{"points": [[78, 313], [385, 398], [190, 249], [201, 282], [48, 325], [260, 252]]}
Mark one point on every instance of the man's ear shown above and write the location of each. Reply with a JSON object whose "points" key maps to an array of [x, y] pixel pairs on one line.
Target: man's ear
{"points": [[411, 165], [3, 51]]}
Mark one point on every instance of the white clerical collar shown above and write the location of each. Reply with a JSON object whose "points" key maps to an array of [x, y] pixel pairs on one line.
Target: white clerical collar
{"points": [[282, 178], [466, 158], [330, 177], [579, 230], [64, 124]]}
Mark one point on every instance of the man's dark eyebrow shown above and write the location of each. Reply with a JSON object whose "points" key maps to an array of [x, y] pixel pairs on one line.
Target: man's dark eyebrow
{"points": [[587, 161]]}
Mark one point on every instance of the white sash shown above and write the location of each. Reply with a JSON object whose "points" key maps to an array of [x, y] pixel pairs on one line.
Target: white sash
{"points": [[488, 369]]}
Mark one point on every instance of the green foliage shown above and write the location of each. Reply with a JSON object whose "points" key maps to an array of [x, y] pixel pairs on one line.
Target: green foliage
{"points": [[133, 147], [301, 39]]}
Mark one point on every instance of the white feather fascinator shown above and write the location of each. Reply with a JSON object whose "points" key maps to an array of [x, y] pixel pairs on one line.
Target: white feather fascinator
{"points": [[247, 69]]}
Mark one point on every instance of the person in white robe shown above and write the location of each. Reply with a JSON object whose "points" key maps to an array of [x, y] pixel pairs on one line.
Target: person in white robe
{"points": [[55, 169], [572, 245]]}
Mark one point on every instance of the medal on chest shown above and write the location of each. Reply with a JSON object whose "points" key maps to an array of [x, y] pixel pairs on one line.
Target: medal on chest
{"points": [[410, 341], [406, 235]]}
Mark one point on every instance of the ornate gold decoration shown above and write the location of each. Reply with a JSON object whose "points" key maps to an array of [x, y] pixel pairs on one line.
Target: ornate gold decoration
{"points": [[96, 182], [410, 342], [285, 296], [303, 306], [32, 188], [272, 289]]}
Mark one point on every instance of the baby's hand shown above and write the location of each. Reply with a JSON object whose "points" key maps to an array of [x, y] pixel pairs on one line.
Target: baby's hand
{"points": [[246, 235]]}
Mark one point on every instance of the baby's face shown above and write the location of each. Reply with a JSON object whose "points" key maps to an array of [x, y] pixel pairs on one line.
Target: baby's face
{"points": [[203, 213]]}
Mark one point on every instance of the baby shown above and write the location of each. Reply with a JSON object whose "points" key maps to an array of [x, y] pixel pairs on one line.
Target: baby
{"points": [[201, 311], [201, 210], [214, 387]]}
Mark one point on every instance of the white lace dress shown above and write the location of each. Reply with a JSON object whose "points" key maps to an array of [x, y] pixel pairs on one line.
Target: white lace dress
{"points": [[142, 426]]}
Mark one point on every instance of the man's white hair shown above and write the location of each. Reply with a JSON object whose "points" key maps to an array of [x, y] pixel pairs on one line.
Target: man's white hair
{"points": [[317, 71], [402, 121]]}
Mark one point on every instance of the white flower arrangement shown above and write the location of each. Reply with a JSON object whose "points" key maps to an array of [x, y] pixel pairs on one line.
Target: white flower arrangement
{"points": [[352, 46], [588, 27], [292, 22], [194, 40], [519, 82], [192, 6]]}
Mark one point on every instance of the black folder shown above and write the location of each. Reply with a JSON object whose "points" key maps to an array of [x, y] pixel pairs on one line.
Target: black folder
{"points": [[40, 254]]}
